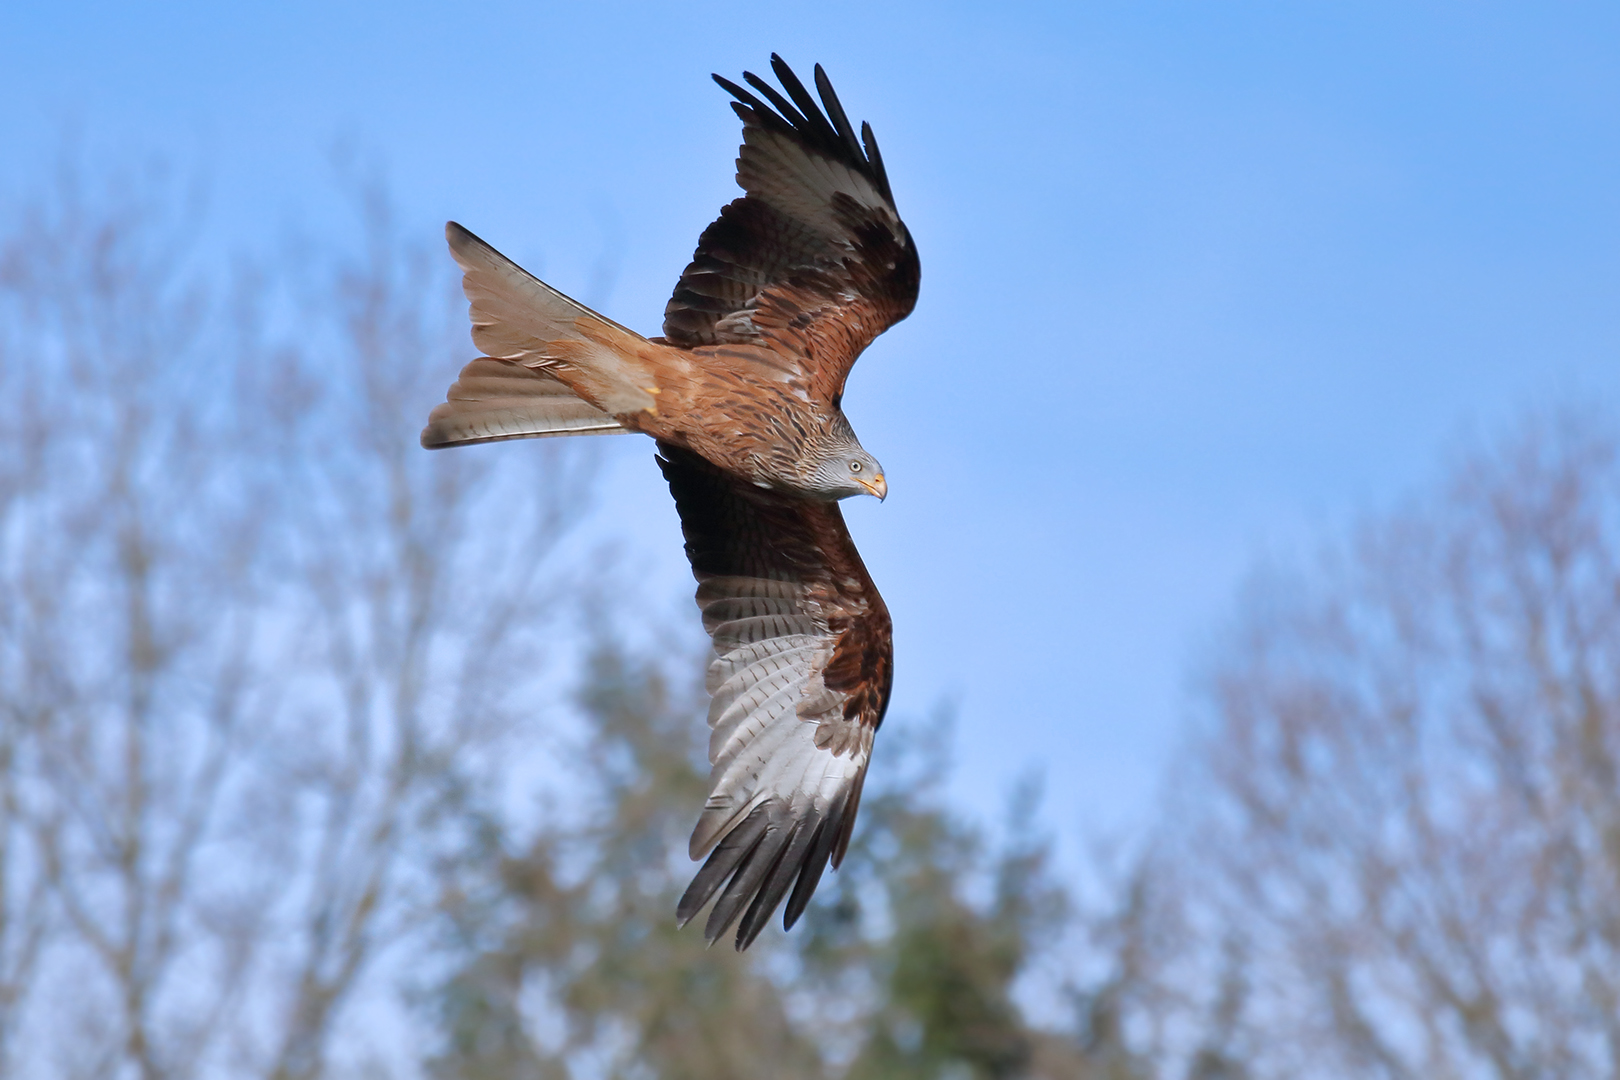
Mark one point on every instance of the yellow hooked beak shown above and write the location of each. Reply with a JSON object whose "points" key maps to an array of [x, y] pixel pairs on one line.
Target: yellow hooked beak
{"points": [[877, 486]]}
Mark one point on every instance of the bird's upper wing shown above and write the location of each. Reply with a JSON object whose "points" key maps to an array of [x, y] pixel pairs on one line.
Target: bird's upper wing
{"points": [[803, 661], [814, 262]]}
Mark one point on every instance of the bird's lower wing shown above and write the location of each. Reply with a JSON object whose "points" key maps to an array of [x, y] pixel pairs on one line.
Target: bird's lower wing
{"points": [[800, 676]]}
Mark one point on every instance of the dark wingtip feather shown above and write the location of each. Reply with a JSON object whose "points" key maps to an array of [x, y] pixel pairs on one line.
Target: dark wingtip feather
{"points": [[760, 860], [774, 96], [835, 111], [816, 125], [815, 864], [732, 88], [745, 100], [757, 863], [824, 126], [775, 885], [733, 851], [875, 158]]}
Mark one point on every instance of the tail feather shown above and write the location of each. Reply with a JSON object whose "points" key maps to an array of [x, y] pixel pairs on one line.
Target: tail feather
{"points": [[497, 399], [519, 318]]}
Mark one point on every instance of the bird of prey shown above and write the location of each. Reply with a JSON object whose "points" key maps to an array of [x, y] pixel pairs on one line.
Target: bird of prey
{"points": [[742, 393]]}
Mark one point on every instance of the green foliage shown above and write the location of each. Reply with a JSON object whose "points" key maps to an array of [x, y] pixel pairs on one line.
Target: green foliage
{"points": [[947, 967], [587, 932], [574, 965]]}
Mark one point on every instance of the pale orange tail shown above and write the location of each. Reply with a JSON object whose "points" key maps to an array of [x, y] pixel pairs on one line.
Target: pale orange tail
{"points": [[556, 367], [497, 399]]}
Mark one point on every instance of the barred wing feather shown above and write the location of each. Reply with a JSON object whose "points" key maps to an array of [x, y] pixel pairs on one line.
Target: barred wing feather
{"points": [[814, 261], [800, 679]]}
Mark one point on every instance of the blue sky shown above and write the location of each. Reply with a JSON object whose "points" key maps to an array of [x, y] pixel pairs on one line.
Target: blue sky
{"points": [[1200, 281]]}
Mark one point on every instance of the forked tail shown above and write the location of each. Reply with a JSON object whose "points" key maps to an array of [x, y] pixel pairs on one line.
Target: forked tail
{"points": [[552, 366]]}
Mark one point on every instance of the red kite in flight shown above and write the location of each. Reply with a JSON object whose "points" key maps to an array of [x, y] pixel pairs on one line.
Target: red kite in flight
{"points": [[742, 393]]}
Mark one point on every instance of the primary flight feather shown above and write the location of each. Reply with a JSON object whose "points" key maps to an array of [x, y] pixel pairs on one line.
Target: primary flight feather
{"points": [[742, 393]]}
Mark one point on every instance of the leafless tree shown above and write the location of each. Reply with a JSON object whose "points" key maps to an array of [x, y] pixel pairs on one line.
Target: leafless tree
{"points": [[267, 669], [259, 654], [266, 672], [1398, 854]]}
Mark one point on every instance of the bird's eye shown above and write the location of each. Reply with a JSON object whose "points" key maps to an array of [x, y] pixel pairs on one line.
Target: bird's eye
{"points": [[854, 466]]}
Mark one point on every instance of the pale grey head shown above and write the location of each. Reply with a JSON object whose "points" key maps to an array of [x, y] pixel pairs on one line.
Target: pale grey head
{"points": [[843, 469]]}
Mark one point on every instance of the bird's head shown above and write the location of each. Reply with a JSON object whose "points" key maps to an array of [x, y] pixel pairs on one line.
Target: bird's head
{"points": [[848, 470]]}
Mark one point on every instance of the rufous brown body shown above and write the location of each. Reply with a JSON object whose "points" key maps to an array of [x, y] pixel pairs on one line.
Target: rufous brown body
{"points": [[743, 394]]}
